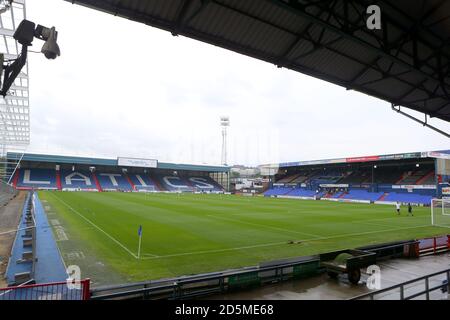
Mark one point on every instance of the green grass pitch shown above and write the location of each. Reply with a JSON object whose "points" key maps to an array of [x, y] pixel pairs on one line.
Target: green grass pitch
{"points": [[193, 233]]}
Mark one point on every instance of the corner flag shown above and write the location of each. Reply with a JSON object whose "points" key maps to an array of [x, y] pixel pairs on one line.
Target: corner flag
{"points": [[140, 238]]}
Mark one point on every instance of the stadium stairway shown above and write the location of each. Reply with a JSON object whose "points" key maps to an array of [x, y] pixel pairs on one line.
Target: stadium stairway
{"points": [[113, 181], [189, 184], [425, 178], [97, 183], [383, 196], [58, 180], [399, 181], [16, 178], [133, 187], [157, 184]]}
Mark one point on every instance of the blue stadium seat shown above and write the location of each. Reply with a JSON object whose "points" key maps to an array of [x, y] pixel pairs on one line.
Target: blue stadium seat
{"points": [[113, 181], [205, 183], [357, 194], [73, 180], [409, 197], [143, 182], [37, 178], [278, 191], [300, 192], [174, 183]]}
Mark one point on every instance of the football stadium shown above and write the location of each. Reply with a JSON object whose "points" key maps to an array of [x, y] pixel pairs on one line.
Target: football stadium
{"points": [[76, 227]]}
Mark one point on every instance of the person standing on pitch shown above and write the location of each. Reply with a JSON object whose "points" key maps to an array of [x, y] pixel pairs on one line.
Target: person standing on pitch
{"points": [[397, 206], [410, 209]]}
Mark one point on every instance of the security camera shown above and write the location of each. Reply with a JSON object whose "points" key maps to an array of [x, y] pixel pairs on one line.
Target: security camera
{"points": [[5, 5], [24, 35], [50, 48]]}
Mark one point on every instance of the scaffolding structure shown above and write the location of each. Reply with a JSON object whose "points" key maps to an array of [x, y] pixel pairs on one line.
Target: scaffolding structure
{"points": [[14, 107]]}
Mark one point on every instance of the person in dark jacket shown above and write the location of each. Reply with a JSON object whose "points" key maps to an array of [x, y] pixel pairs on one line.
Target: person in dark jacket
{"points": [[410, 209]]}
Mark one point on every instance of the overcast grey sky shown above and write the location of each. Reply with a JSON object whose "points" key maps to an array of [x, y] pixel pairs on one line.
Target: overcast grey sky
{"points": [[121, 88]]}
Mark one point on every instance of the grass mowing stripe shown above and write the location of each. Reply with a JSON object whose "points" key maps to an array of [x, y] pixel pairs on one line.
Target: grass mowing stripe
{"points": [[216, 251], [95, 226], [264, 226], [281, 243], [178, 228]]}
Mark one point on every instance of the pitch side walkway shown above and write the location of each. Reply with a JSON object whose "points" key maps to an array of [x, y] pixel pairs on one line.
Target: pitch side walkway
{"points": [[323, 288], [49, 266]]}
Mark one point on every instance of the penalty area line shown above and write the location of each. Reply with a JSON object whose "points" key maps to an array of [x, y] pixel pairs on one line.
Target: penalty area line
{"points": [[97, 227]]}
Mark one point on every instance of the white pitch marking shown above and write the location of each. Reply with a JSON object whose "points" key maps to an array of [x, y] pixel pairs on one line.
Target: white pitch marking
{"points": [[60, 234], [75, 255], [95, 226]]}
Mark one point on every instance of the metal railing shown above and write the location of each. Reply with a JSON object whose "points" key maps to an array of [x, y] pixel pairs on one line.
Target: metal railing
{"points": [[210, 283], [74, 290], [7, 192], [387, 293], [220, 282]]}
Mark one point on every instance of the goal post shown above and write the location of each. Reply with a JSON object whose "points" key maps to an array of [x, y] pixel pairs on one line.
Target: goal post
{"points": [[440, 212]]}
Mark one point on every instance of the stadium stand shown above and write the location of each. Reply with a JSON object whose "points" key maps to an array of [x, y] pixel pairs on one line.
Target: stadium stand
{"points": [[388, 175], [362, 195], [36, 178], [389, 178], [428, 179], [412, 177], [356, 177], [301, 192], [278, 191], [174, 183], [113, 182], [290, 178], [27, 179], [408, 197], [83, 180], [204, 183], [300, 179], [142, 182]]}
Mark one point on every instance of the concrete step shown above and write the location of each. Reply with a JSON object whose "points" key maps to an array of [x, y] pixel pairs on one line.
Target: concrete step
{"points": [[22, 277], [27, 242]]}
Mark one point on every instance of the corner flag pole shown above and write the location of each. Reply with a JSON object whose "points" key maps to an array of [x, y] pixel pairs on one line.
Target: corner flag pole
{"points": [[140, 239]]}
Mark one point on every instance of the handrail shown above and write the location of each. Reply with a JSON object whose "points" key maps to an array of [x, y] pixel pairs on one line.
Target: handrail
{"points": [[403, 284]]}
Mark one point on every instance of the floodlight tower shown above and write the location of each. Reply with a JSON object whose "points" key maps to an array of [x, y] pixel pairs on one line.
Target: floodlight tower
{"points": [[224, 123]]}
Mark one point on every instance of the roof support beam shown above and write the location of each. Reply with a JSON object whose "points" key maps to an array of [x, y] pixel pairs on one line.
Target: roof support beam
{"points": [[297, 8], [424, 123]]}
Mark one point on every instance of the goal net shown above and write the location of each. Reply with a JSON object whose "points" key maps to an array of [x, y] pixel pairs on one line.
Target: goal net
{"points": [[440, 212]]}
